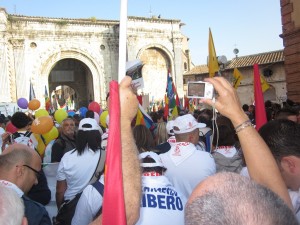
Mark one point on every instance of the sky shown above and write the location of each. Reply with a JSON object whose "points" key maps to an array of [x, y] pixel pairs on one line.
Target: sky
{"points": [[252, 26]]}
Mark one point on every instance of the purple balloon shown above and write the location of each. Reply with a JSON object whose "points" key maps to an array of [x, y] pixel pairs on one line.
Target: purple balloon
{"points": [[22, 103]]}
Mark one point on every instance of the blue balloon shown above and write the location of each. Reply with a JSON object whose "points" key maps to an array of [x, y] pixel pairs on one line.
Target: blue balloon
{"points": [[71, 113], [83, 111]]}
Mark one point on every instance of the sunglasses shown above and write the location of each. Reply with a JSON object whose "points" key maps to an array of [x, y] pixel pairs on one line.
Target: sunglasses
{"points": [[37, 173]]}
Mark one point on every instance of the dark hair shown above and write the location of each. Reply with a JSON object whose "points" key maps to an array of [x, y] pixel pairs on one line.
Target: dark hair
{"points": [[285, 112], [90, 114], [226, 136], [157, 169], [245, 107], [20, 120], [143, 138], [91, 138], [282, 137], [204, 119]]}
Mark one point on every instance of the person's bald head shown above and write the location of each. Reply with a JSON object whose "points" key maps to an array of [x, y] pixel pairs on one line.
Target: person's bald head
{"points": [[228, 198], [17, 165]]}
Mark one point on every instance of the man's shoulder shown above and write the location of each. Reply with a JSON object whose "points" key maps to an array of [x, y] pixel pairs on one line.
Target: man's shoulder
{"points": [[35, 212], [32, 204]]}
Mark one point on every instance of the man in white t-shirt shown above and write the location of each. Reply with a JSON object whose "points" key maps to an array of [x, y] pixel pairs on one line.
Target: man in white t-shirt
{"points": [[161, 202], [187, 166]]}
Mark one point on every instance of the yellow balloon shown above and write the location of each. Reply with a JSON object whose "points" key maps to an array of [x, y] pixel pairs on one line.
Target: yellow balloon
{"points": [[60, 115], [52, 134], [103, 116], [41, 112]]}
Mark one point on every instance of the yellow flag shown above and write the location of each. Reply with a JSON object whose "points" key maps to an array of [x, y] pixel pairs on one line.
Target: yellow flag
{"points": [[237, 78], [139, 118], [174, 112], [264, 84], [213, 65]]}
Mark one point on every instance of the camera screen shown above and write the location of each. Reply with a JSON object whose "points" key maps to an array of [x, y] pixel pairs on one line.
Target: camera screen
{"points": [[196, 89]]}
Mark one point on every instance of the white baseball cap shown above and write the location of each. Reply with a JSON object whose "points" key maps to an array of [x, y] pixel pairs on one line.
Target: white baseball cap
{"points": [[153, 156], [169, 127], [90, 121], [185, 124]]}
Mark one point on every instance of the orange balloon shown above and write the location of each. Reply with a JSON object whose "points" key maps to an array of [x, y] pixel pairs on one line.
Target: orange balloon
{"points": [[34, 104], [42, 125]]}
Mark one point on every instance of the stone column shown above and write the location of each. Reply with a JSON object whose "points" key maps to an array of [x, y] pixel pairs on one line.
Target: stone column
{"points": [[177, 74], [21, 81]]}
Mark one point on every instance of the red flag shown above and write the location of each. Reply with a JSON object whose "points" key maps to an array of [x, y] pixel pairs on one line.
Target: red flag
{"points": [[114, 205], [186, 103], [260, 110], [140, 99]]}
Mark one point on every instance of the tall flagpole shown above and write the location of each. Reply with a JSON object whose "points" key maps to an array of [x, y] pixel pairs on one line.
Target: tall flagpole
{"points": [[122, 40]]}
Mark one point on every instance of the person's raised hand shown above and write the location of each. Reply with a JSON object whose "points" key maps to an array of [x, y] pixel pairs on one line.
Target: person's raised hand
{"points": [[128, 100], [227, 101]]}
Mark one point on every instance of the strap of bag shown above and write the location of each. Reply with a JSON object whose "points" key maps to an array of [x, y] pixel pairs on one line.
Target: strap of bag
{"points": [[100, 167]]}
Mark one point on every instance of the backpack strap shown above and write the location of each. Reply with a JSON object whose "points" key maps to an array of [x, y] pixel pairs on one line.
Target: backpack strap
{"points": [[27, 134], [208, 141], [100, 167]]}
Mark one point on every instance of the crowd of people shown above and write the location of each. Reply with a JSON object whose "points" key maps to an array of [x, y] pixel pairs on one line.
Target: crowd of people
{"points": [[209, 166]]}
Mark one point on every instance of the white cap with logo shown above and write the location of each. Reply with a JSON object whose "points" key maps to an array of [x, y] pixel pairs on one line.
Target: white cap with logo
{"points": [[185, 124]]}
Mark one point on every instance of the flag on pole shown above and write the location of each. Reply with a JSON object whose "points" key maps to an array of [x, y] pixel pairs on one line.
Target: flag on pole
{"points": [[31, 92], [174, 112], [114, 203], [166, 108], [264, 84], [47, 100], [191, 105], [260, 111], [172, 98], [237, 78], [143, 118], [213, 65]]}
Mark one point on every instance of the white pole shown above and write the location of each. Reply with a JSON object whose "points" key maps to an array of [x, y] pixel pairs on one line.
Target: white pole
{"points": [[122, 39]]}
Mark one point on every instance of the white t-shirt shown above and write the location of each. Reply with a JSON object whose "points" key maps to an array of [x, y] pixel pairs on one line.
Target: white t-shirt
{"points": [[77, 170], [88, 205], [161, 204], [295, 197], [187, 166]]}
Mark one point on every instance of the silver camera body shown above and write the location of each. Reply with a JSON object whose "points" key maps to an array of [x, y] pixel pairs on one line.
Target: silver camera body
{"points": [[200, 89]]}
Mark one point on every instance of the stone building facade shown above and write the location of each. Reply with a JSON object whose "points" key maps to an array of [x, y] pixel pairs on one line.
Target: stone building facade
{"points": [[290, 14], [83, 55], [271, 66]]}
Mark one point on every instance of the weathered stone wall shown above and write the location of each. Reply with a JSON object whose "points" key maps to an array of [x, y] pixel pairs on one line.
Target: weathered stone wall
{"points": [[31, 46]]}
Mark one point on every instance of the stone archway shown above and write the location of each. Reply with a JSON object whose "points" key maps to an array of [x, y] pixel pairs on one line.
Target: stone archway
{"points": [[75, 74], [156, 65], [93, 68]]}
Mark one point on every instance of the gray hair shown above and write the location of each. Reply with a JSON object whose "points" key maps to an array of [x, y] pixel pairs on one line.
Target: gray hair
{"points": [[11, 207], [234, 199]]}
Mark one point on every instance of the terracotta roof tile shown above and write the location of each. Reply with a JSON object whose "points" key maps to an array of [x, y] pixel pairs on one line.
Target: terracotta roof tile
{"points": [[244, 61]]}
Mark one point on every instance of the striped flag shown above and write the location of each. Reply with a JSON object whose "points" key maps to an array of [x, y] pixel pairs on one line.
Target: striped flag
{"points": [[172, 98], [143, 118]]}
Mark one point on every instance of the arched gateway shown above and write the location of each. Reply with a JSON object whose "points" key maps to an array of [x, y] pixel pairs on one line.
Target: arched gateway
{"points": [[82, 54]]}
